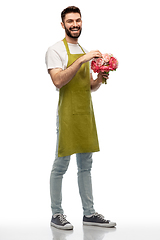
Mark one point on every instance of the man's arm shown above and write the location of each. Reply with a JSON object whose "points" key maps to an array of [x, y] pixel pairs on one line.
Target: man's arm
{"points": [[62, 77]]}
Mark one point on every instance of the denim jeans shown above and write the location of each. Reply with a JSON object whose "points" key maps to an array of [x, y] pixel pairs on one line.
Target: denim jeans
{"points": [[60, 166]]}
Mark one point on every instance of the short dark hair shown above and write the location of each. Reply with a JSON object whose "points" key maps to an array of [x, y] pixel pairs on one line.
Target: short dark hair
{"points": [[70, 9]]}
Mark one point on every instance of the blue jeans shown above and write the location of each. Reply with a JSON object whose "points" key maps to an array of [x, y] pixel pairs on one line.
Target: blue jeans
{"points": [[60, 166]]}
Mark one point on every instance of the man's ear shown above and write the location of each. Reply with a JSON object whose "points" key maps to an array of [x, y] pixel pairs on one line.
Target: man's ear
{"points": [[62, 24]]}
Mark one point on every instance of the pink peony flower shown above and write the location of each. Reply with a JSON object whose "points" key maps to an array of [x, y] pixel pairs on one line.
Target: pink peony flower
{"points": [[99, 62], [106, 57], [113, 63], [94, 67], [104, 68]]}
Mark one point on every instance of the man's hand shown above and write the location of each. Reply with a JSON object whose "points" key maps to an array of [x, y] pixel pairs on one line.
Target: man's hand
{"points": [[90, 55], [102, 75], [95, 84]]}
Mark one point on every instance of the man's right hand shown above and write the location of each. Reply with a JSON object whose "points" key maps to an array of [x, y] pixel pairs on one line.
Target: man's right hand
{"points": [[90, 55]]}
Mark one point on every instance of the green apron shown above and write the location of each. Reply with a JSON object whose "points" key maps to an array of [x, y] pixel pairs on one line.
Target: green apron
{"points": [[77, 128]]}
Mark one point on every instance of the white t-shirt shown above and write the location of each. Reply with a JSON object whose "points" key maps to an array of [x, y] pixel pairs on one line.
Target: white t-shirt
{"points": [[57, 57]]}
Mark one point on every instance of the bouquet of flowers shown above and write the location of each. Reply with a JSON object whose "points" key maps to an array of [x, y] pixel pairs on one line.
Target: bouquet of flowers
{"points": [[105, 64]]}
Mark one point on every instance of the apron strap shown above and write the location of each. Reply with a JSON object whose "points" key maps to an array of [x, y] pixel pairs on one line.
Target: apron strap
{"points": [[81, 48], [66, 45]]}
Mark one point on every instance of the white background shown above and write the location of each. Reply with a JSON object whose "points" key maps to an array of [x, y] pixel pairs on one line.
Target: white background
{"points": [[126, 170]]}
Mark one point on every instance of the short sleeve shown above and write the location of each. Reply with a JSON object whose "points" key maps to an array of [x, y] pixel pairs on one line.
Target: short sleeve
{"points": [[52, 59]]}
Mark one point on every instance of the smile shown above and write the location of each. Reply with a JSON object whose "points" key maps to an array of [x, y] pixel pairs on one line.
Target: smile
{"points": [[75, 30]]}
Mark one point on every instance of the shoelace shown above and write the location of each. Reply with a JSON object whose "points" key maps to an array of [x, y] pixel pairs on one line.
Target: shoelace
{"points": [[100, 216], [62, 218]]}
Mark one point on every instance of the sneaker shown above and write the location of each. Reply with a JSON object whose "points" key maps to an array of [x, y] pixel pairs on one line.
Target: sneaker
{"points": [[59, 221], [98, 220]]}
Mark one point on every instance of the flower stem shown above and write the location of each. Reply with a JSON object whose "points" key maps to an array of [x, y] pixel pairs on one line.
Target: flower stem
{"points": [[104, 81]]}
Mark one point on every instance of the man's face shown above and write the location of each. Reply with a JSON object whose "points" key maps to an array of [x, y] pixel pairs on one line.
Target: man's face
{"points": [[72, 25]]}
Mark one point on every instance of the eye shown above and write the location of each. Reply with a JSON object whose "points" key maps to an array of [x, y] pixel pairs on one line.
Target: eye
{"points": [[78, 20], [69, 21]]}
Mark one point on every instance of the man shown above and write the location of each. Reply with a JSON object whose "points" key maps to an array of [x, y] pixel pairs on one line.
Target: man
{"points": [[68, 65]]}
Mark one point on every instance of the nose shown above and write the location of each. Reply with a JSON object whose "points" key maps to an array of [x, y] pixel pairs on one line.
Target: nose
{"points": [[75, 24]]}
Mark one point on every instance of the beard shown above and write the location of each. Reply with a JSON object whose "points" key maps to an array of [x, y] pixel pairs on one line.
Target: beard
{"points": [[73, 34]]}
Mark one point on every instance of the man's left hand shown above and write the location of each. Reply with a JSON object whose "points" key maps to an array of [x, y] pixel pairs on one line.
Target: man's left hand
{"points": [[102, 75]]}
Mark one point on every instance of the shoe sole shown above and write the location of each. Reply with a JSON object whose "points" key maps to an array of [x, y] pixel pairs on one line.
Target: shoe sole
{"points": [[66, 227], [110, 225]]}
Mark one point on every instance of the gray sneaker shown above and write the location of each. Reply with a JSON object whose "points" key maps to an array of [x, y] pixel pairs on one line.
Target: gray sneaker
{"points": [[59, 221], [98, 220]]}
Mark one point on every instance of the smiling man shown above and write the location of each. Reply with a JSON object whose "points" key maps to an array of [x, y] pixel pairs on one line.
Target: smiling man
{"points": [[68, 65]]}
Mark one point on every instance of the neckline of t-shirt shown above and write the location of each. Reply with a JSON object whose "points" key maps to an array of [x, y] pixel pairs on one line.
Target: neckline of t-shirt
{"points": [[73, 44]]}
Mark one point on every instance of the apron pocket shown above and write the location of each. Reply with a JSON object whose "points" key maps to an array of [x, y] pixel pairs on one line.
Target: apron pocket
{"points": [[81, 102]]}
